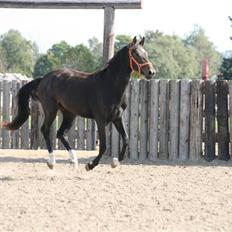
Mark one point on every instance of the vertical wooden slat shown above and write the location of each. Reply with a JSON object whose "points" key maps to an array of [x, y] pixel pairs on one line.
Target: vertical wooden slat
{"points": [[195, 143], [81, 133], [230, 113], [25, 131], [143, 120], [14, 143], [114, 142], [6, 113], [72, 135], [222, 120], [89, 135], [134, 120], [163, 151], [184, 119], [34, 125], [153, 102], [126, 118], [1, 93], [174, 119], [209, 91]]}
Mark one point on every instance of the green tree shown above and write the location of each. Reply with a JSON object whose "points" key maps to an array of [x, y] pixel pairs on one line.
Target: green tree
{"points": [[96, 49], [121, 41], [226, 67], [203, 49], [19, 54]]}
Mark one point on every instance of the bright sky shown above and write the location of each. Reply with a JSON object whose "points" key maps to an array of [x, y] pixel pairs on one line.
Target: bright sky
{"points": [[47, 27]]}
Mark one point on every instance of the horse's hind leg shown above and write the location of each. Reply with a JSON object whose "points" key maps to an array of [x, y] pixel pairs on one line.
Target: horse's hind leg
{"points": [[45, 129], [66, 124], [102, 137]]}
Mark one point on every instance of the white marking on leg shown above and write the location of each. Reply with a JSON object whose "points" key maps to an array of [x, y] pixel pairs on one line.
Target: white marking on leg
{"points": [[115, 162], [73, 157], [51, 160]]}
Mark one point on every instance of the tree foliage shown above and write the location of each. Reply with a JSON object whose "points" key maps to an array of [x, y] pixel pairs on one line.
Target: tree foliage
{"points": [[226, 67], [17, 53]]}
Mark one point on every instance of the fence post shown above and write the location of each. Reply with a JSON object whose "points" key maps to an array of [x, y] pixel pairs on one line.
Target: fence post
{"points": [[209, 90], [163, 151], [153, 120], [195, 140], [184, 119], [222, 120], [174, 119]]}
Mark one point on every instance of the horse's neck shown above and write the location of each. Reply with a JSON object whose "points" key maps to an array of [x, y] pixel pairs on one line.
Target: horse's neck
{"points": [[119, 76]]}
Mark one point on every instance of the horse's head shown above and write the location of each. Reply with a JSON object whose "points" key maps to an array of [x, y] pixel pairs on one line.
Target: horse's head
{"points": [[139, 61]]}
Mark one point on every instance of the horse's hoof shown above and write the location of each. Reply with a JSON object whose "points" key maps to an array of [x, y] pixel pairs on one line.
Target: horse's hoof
{"points": [[115, 163], [87, 168], [51, 166], [74, 163]]}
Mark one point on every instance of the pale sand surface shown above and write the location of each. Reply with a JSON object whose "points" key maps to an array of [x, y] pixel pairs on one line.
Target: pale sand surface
{"points": [[132, 197]]}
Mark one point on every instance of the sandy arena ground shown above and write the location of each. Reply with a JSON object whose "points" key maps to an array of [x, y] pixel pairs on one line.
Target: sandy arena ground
{"points": [[132, 197]]}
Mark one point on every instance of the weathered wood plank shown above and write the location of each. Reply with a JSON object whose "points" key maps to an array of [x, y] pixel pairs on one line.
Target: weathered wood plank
{"points": [[90, 136], [24, 132], [222, 120], [6, 113], [72, 134], [209, 91], [72, 4], [15, 134], [34, 125], [81, 133], [174, 109], [195, 141], [184, 119], [230, 113], [153, 102], [114, 142], [163, 151], [134, 120], [143, 120], [126, 118], [1, 94]]}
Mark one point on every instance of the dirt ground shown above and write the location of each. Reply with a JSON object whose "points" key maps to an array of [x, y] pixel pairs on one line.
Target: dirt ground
{"points": [[132, 197]]}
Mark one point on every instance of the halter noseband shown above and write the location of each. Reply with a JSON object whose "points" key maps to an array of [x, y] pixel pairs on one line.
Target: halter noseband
{"points": [[133, 60]]}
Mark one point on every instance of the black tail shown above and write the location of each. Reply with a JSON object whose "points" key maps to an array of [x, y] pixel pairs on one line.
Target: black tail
{"points": [[23, 97]]}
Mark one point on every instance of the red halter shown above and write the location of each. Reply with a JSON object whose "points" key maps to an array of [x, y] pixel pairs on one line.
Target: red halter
{"points": [[132, 59]]}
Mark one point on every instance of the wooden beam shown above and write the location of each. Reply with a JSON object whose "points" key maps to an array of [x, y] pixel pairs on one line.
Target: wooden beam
{"points": [[71, 4]]}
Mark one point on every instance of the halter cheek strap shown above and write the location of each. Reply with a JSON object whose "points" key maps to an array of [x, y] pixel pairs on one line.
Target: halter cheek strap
{"points": [[134, 61]]}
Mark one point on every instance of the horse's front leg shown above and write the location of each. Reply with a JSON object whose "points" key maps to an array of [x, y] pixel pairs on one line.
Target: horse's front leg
{"points": [[119, 124], [102, 137]]}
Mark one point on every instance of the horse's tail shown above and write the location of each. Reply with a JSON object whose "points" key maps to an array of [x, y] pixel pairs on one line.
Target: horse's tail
{"points": [[23, 113]]}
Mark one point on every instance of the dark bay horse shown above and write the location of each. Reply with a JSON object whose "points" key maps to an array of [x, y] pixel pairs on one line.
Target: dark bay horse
{"points": [[100, 96]]}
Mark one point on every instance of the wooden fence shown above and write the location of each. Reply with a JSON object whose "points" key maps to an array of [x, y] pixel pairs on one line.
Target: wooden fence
{"points": [[166, 120]]}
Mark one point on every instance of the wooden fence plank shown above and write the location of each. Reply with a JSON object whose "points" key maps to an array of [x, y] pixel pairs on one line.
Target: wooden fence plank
{"points": [[115, 147], [153, 102], [143, 120], [195, 141], [1, 103], [222, 120], [25, 135], [230, 113], [163, 151], [126, 118], [15, 134], [72, 135], [34, 125], [174, 105], [184, 119], [134, 120], [81, 133], [209, 91], [6, 113]]}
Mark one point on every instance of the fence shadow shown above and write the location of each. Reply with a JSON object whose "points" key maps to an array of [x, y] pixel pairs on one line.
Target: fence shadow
{"points": [[127, 162]]}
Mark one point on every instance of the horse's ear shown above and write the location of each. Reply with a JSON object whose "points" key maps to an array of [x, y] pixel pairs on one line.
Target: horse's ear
{"points": [[142, 41], [134, 41]]}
